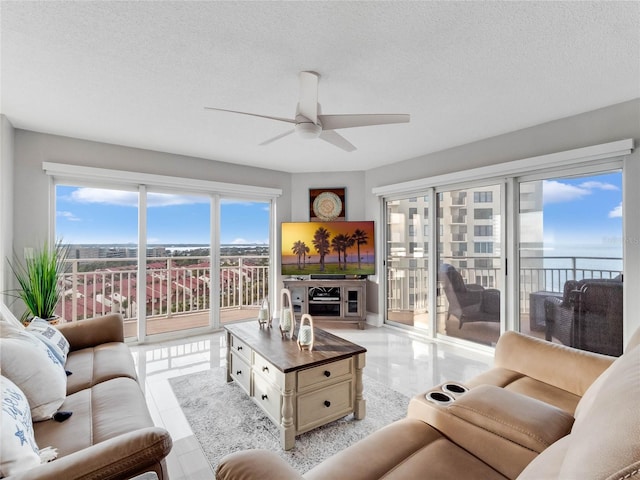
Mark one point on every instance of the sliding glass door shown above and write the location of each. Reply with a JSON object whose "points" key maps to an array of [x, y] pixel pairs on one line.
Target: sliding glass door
{"points": [[100, 226], [178, 262], [469, 253], [456, 268], [570, 254], [244, 257], [407, 262]]}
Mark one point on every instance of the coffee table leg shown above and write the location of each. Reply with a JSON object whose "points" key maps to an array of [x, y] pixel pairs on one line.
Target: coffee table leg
{"points": [[229, 379], [287, 427], [360, 407]]}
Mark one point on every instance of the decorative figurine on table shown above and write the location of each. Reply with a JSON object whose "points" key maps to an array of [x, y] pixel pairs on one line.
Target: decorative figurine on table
{"points": [[264, 314], [287, 319], [305, 333]]}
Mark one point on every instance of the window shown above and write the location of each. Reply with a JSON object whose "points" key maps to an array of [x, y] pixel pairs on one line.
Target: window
{"points": [[571, 235], [483, 197], [483, 213], [483, 247], [483, 230], [413, 212], [117, 239]]}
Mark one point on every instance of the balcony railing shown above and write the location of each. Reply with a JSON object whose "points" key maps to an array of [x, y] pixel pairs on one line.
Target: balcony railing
{"points": [[173, 286], [407, 286]]}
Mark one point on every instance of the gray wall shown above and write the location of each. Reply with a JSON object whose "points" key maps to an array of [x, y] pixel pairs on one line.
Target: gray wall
{"points": [[6, 204]]}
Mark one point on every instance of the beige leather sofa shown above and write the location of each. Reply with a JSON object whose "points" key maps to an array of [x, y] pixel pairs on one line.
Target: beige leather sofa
{"points": [[545, 411], [110, 434]]}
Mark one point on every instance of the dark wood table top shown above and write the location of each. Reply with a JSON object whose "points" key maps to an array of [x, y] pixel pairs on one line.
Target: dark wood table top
{"points": [[285, 355]]}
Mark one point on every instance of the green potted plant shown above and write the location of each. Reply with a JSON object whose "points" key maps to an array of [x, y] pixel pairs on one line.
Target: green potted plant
{"points": [[40, 280]]}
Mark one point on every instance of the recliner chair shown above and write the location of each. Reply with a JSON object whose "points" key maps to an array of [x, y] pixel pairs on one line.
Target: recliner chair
{"points": [[468, 302]]}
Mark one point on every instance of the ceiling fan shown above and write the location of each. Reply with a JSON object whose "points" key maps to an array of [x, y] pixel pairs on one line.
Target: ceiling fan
{"points": [[309, 122]]}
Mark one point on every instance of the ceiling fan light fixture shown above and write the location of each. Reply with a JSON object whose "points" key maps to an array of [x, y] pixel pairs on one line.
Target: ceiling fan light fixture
{"points": [[308, 130]]}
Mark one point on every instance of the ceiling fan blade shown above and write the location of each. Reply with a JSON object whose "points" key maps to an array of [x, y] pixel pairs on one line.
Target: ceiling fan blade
{"points": [[277, 137], [280, 119], [334, 122], [338, 140], [308, 104]]}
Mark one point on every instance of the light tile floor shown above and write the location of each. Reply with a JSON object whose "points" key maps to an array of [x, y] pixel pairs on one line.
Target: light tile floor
{"points": [[405, 362]]}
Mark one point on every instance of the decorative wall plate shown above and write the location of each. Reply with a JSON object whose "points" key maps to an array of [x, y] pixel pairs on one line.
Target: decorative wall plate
{"points": [[327, 206]]}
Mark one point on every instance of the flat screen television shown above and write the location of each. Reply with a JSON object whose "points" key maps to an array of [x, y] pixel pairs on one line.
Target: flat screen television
{"points": [[328, 248]]}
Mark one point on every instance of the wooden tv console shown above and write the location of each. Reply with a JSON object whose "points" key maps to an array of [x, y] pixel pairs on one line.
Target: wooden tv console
{"points": [[341, 301]]}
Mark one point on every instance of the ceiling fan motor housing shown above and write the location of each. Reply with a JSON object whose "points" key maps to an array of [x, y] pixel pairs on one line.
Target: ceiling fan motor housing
{"points": [[305, 128]]}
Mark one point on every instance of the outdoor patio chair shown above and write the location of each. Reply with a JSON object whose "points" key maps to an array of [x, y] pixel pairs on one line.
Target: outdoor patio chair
{"points": [[588, 317], [468, 302]]}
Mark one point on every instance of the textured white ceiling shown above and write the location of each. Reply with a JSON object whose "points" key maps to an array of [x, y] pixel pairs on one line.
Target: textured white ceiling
{"points": [[139, 73]]}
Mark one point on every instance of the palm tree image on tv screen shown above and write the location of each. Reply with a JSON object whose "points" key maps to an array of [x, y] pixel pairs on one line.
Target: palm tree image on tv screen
{"points": [[329, 248]]}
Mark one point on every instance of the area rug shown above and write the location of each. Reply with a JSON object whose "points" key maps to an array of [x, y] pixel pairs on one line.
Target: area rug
{"points": [[224, 420]]}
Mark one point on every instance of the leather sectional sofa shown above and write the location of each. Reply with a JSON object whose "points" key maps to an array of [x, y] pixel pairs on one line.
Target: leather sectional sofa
{"points": [[545, 411], [110, 434]]}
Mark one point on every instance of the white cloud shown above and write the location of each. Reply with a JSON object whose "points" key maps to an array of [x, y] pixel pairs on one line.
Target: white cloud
{"points": [[556, 192], [68, 215], [616, 212], [130, 199], [244, 241], [167, 199], [598, 185]]}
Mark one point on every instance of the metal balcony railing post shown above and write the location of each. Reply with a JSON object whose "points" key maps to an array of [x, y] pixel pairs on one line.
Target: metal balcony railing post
{"points": [[241, 291], [169, 289], [74, 290]]}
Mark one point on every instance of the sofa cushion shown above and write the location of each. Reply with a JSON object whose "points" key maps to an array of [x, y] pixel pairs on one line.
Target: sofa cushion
{"points": [[18, 448], [101, 412], [51, 337], [404, 449], [29, 363], [93, 365], [520, 383]]}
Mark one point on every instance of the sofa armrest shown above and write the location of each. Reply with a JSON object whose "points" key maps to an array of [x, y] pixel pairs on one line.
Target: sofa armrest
{"points": [[564, 367], [119, 457], [255, 465], [504, 429], [93, 331]]}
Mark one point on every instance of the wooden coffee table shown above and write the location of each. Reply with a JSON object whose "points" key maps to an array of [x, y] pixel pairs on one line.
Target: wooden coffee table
{"points": [[298, 390]]}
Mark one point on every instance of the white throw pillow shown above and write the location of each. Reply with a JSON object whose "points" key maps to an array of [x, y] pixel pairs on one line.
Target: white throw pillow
{"points": [[18, 449], [51, 337], [29, 363]]}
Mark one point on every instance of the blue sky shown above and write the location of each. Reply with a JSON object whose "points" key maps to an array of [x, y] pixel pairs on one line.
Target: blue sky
{"points": [[584, 214], [91, 215]]}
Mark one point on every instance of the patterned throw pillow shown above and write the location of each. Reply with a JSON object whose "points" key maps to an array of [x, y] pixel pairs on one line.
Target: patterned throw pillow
{"points": [[51, 337], [18, 449], [29, 363]]}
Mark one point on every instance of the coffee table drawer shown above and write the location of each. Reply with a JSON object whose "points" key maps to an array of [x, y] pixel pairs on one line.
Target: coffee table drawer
{"points": [[241, 348], [267, 396], [241, 372], [324, 374], [266, 369], [324, 405]]}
